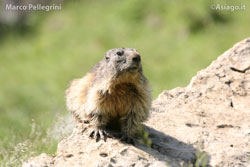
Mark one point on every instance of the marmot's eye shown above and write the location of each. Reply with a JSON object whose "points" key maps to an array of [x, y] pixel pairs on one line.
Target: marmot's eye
{"points": [[120, 53]]}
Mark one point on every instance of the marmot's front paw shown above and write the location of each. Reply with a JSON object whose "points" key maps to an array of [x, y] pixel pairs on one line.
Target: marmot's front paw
{"points": [[98, 134]]}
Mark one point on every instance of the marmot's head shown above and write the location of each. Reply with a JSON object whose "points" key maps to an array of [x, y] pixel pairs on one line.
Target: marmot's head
{"points": [[123, 60]]}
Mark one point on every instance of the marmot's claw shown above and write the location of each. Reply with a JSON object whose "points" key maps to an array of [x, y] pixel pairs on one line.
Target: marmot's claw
{"points": [[98, 134], [127, 139]]}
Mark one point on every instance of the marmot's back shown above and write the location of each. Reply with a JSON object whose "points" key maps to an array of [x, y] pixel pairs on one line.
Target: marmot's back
{"points": [[114, 91], [76, 94]]}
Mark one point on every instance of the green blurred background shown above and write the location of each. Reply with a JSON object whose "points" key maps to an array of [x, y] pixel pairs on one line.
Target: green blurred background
{"points": [[40, 54]]}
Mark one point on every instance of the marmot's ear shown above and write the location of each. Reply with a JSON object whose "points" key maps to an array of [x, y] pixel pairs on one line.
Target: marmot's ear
{"points": [[106, 56]]}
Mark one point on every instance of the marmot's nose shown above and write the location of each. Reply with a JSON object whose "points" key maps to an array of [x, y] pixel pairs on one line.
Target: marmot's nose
{"points": [[136, 58]]}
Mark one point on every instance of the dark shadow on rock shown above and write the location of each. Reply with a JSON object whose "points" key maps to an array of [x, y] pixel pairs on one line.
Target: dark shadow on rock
{"points": [[170, 147]]}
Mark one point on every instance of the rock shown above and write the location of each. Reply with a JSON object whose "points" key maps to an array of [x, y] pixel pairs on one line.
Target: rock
{"points": [[207, 122], [42, 160]]}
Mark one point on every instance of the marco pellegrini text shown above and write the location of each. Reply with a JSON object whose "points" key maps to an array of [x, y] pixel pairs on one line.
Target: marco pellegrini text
{"points": [[34, 7]]}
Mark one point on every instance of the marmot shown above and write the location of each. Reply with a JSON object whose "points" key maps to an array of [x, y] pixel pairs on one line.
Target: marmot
{"points": [[114, 96]]}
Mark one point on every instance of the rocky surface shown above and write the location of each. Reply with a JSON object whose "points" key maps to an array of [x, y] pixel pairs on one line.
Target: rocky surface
{"points": [[206, 122]]}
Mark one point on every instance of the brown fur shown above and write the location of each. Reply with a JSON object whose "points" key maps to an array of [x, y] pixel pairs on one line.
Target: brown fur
{"points": [[111, 93]]}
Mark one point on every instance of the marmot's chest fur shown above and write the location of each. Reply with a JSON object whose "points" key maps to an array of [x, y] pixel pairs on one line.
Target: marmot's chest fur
{"points": [[120, 99]]}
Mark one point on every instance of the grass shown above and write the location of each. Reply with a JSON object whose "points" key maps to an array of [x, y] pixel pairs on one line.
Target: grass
{"points": [[175, 38]]}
